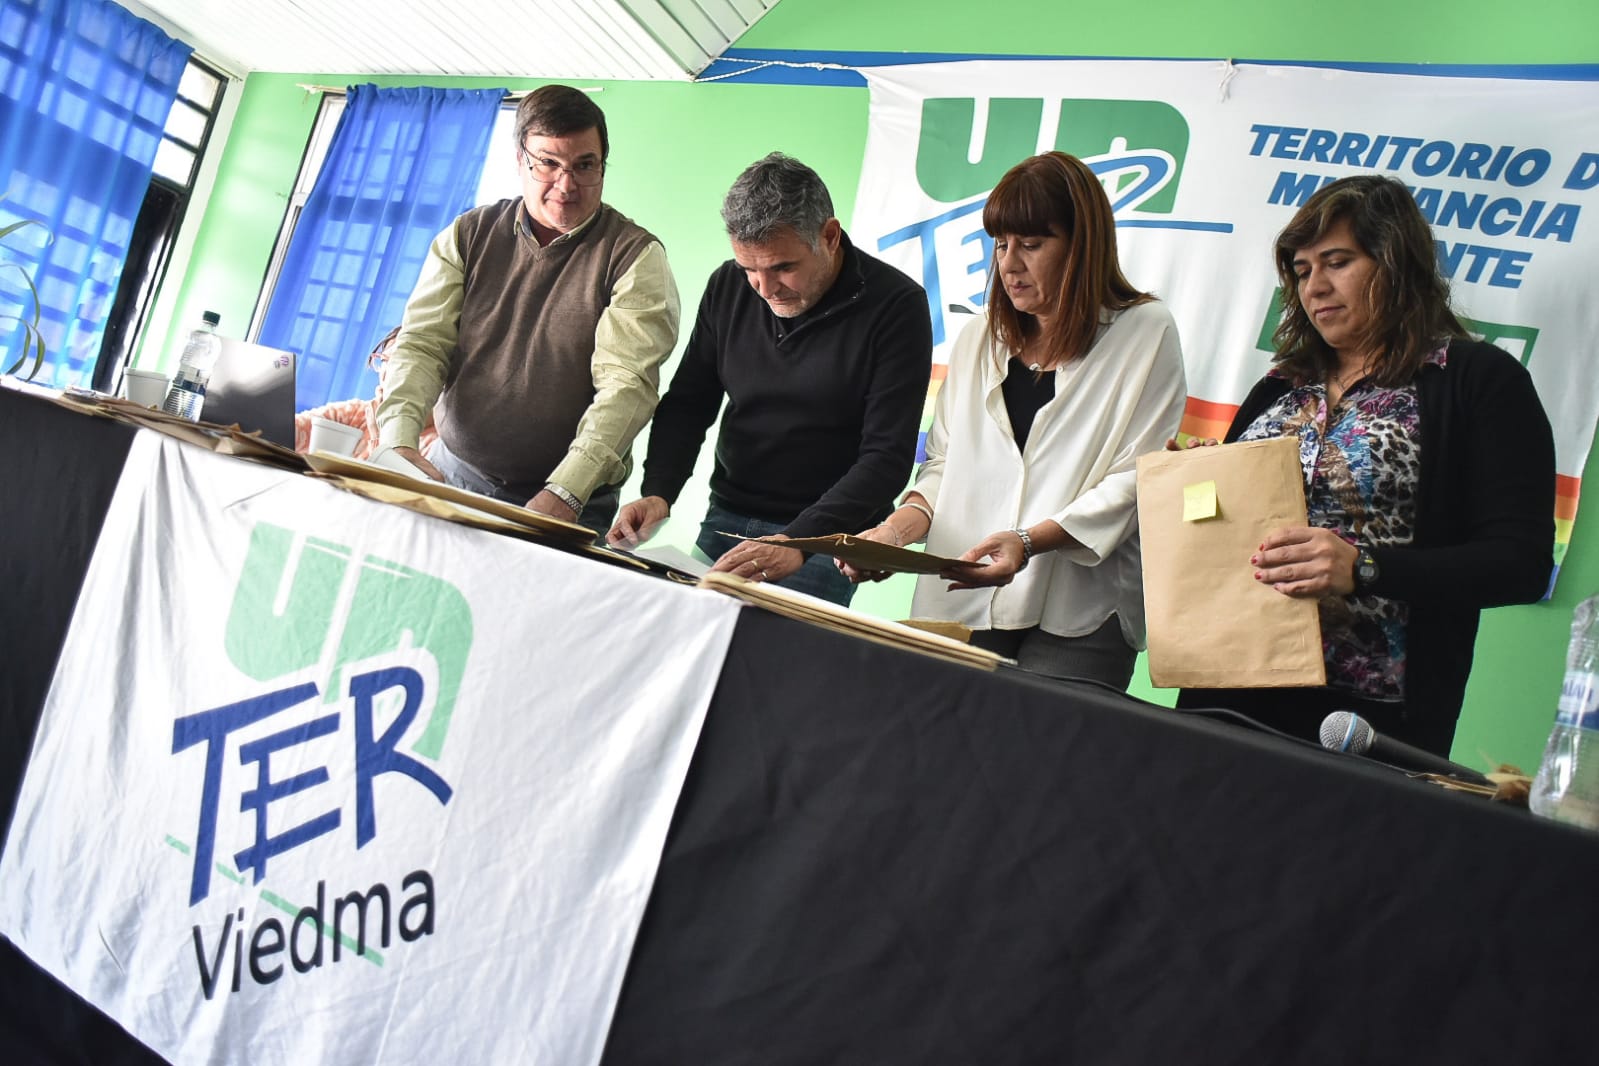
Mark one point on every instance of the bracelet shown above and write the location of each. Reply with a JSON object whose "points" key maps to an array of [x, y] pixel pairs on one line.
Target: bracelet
{"points": [[565, 497], [1027, 546], [899, 541], [920, 507]]}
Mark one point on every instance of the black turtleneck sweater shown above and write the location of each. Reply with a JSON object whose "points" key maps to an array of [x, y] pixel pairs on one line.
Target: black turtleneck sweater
{"points": [[820, 430]]}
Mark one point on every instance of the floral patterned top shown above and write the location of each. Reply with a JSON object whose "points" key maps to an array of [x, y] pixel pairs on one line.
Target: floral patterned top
{"points": [[1362, 461]]}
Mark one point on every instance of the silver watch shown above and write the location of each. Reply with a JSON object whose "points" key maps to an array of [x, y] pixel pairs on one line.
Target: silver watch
{"points": [[1027, 546], [565, 497]]}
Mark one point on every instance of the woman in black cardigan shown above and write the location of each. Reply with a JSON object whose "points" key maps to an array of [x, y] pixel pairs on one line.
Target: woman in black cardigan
{"points": [[1429, 470]]}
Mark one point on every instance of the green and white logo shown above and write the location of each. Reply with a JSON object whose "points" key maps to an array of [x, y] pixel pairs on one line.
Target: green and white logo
{"points": [[283, 614], [1136, 147], [345, 654]]}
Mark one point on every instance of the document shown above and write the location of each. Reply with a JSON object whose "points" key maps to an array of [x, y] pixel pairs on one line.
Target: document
{"points": [[866, 554], [354, 471], [798, 605], [1201, 514]]}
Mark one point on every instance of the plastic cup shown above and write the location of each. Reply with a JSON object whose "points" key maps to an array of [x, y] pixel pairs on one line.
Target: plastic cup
{"points": [[145, 387], [332, 437]]}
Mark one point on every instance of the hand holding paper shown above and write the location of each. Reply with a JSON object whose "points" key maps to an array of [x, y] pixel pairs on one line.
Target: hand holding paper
{"points": [[1006, 557], [637, 522], [407, 461], [877, 534], [762, 559], [868, 554], [1306, 561]]}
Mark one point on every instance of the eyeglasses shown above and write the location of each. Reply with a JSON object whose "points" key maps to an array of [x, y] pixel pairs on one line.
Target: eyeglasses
{"points": [[549, 171]]}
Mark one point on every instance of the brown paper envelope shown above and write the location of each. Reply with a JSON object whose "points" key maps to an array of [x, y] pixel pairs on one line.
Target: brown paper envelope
{"points": [[952, 630], [228, 440], [355, 469], [842, 620], [404, 496], [1211, 624], [866, 554]]}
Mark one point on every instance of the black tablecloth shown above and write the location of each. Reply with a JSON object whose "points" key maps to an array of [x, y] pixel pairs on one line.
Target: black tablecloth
{"points": [[882, 858]]}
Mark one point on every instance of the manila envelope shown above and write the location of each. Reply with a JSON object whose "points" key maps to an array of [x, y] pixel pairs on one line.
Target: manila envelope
{"points": [[1202, 513]]}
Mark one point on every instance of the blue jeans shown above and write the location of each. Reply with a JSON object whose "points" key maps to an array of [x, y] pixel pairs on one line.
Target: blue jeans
{"points": [[818, 577], [597, 514]]}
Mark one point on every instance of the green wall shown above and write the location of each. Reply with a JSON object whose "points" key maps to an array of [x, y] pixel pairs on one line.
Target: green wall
{"points": [[1349, 31], [676, 147]]}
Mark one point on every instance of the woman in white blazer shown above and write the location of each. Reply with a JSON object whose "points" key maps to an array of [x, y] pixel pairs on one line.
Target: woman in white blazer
{"points": [[1050, 399]]}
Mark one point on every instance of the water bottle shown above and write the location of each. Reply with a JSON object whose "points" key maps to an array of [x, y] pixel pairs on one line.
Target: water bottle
{"points": [[187, 394], [1567, 786]]}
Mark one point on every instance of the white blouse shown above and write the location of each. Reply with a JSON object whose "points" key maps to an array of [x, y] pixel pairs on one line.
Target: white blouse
{"points": [[1122, 399]]}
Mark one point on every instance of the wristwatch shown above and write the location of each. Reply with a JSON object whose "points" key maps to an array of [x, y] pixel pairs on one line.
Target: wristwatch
{"points": [[1365, 569], [1027, 547], [565, 497]]}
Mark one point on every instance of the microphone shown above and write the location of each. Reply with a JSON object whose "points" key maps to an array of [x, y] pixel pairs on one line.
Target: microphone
{"points": [[1347, 731]]}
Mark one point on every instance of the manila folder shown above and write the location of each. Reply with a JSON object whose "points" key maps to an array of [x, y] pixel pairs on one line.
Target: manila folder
{"points": [[1202, 514]]}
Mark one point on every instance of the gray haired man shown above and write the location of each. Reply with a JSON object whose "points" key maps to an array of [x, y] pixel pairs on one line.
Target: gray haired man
{"points": [[822, 353]]}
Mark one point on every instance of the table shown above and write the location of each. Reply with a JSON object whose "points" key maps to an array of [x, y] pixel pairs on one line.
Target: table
{"points": [[879, 857]]}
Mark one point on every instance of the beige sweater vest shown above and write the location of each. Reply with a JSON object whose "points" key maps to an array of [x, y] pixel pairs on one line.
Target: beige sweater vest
{"points": [[520, 379]]}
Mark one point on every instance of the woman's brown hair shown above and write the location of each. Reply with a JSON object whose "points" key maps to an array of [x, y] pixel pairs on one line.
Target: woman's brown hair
{"points": [[1408, 297], [1057, 194]]}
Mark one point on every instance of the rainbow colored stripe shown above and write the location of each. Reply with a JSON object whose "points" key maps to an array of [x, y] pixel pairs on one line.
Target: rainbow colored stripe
{"points": [[934, 383], [1567, 490], [1205, 418], [1202, 418]]}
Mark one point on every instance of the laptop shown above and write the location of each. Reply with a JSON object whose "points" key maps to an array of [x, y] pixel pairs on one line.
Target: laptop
{"points": [[253, 385]]}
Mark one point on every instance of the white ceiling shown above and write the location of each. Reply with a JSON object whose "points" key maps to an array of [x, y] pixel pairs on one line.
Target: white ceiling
{"points": [[669, 40]]}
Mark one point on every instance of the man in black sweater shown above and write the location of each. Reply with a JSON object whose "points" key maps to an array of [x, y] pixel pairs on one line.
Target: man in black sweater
{"points": [[823, 353]]}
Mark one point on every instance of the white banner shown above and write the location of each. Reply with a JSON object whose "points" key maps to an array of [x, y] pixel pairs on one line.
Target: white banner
{"points": [[1205, 163], [323, 781]]}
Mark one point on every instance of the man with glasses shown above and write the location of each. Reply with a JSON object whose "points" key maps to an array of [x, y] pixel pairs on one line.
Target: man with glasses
{"points": [[823, 353], [538, 325]]}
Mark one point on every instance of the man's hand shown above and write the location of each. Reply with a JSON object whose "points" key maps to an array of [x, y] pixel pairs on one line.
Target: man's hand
{"points": [[414, 457], [1006, 555], [756, 561], [547, 502], [638, 521], [1306, 561]]}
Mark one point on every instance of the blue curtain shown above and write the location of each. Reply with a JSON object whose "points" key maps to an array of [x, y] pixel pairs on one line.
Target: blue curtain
{"points": [[402, 164], [85, 89]]}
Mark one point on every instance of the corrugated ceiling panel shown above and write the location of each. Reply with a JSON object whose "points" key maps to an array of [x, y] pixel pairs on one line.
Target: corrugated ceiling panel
{"points": [[752, 10], [727, 19], [664, 26], [577, 39]]}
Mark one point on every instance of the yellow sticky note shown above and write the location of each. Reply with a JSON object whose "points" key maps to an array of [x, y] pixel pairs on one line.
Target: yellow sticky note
{"points": [[1199, 501]]}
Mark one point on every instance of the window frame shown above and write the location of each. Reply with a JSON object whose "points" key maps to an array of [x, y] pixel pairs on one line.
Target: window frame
{"points": [[495, 185], [160, 219]]}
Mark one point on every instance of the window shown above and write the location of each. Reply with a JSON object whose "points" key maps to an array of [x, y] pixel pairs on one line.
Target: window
{"points": [[500, 182], [177, 160]]}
